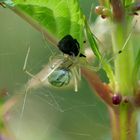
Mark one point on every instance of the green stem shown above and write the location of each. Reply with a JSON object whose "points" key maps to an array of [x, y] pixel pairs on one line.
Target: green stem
{"points": [[123, 121], [124, 117], [123, 62]]}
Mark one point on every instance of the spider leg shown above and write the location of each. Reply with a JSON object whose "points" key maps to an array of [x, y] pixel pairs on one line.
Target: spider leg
{"points": [[76, 77], [25, 64], [26, 59], [55, 57], [91, 12], [77, 71], [40, 77], [125, 43], [75, 82]]}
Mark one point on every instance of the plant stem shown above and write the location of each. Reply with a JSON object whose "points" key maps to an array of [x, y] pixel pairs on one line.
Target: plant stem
{"points": [[102, 90], [124, 117], [124, 61], [118, 11], [123, 122]]}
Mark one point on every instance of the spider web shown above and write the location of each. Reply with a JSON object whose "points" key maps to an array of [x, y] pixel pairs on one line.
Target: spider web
{"points": [[59, 113], [46, 113], [62, 115]]}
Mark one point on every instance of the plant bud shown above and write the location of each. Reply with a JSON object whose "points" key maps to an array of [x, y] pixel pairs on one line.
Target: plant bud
{"points": [[116, 99], [99, 9], [105, 13]]}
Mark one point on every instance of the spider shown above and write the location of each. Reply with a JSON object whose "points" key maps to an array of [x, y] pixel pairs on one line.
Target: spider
{"points": [[70, 46], [69, 67], [63, 69]]}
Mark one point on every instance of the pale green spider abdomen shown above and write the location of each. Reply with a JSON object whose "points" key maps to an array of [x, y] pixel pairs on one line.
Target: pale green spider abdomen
{"points": [[60, 77]]}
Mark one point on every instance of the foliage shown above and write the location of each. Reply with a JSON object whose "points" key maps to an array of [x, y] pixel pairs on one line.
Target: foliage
{"points": [[58, 18]]}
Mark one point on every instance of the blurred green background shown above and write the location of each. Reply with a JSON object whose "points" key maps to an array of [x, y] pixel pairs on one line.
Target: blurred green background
{"points": [[49, 114]]}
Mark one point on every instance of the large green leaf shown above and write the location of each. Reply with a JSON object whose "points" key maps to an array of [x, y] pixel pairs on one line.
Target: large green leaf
{"points": [[59, 17]]}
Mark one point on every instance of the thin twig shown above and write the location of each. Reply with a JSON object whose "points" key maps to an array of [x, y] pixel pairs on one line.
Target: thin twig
{"points": [[102, 89], [118, 11]]}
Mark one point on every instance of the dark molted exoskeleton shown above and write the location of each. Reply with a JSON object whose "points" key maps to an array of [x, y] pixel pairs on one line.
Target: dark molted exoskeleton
{"points": [[69, 45]]}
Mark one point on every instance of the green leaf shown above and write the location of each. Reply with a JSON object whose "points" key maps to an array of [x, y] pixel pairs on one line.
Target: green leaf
{"points": [[94, 46], [92, 41], [59, 17]]}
